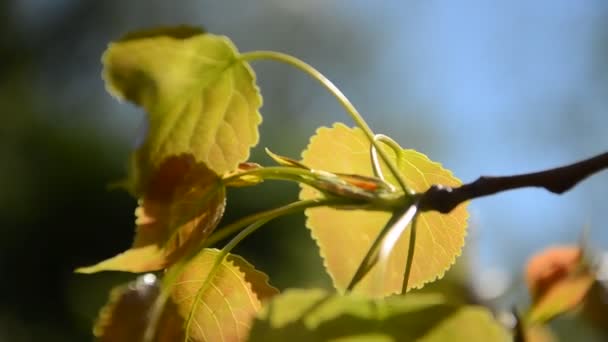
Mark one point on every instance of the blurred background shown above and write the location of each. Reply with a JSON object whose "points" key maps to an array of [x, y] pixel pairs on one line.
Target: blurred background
{"points": [[486, 88]]}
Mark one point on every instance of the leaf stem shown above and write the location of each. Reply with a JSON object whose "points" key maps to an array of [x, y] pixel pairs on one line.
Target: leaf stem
{"points": [[337, 93], [410, 255], [380, 249], [287, 173], [252, 222], [272, 214], [327, 183]]}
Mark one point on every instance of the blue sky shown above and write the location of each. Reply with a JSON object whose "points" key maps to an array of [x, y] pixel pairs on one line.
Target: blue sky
{"points": [[495, 88]]}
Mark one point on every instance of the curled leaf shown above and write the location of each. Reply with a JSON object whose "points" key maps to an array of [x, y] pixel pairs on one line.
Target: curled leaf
{"points": [[182, 206], [550, 266], [199, 98], [125, 316], [202, 117], [558, 280], [285, 161]]}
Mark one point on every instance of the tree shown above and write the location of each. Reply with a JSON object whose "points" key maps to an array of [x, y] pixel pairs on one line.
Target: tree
{"points": [[387, 220]]}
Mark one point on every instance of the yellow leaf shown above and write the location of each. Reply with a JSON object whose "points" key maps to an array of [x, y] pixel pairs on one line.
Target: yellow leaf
{"points": [[224, 310], [344, 236], [199, 98]]}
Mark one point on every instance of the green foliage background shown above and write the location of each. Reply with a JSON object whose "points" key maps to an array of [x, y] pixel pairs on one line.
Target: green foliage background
{"points": [[62, 139]]}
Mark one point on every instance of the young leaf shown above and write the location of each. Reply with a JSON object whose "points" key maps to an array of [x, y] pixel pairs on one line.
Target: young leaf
{"points": [[285, 161], [314, 315], [344, 237], [240, 178], [182, 206], [125, 316], [221, 309], [558, 280], [199, 98]]}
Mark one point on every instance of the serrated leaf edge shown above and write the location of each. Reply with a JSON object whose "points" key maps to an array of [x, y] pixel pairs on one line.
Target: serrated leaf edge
{"points": [[337, 125], [230, 264]]}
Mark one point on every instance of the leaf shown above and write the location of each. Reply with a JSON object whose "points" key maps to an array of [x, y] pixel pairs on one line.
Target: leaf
{"points": [[223, 309], [125, 316], [202, 117], [564, 296], [344, 236], [284, 161], [223, 312], [200, 99], [558, 280], [314, 315], [182, 206], [180, 32]]}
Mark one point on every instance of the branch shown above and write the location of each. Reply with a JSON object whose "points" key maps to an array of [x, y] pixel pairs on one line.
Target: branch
{"points": [[558, 180]]}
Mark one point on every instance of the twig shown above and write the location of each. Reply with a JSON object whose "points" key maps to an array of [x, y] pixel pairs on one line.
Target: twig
{"points": [[557, 180]]}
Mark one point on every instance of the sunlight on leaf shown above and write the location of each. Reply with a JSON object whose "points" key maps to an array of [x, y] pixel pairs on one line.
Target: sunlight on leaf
{"points": [[202, 118], [125, 316], [558, 280], [182, 206], [225, 308], [314, 315], [344, 236], [198, 97], [223, 312]]}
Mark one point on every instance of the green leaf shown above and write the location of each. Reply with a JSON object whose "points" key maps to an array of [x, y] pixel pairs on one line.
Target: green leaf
{"points": [[182, 206], [200, 99], [344, 236], [314, 315], [179, 32], [221, 309], [125, 316]]}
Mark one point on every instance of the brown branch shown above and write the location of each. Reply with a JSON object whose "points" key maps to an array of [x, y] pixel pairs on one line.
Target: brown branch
{"points": [[557, 180]]}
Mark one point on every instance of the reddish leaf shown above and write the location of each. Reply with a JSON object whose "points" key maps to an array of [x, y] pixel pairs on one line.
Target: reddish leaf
{"points": [[125, 317], [183, 204], [558, 281]]}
